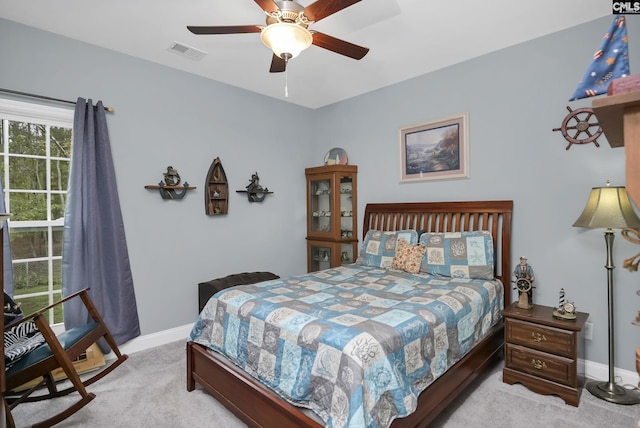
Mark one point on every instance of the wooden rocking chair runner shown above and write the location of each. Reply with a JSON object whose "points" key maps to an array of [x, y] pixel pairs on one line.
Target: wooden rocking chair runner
{"points": [[59, 352]]}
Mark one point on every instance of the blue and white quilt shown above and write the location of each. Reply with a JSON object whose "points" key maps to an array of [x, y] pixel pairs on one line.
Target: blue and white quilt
{"points": [[355, 344]]}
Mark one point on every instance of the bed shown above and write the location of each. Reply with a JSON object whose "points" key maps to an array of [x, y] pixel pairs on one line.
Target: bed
{"points": [[259, 406]]}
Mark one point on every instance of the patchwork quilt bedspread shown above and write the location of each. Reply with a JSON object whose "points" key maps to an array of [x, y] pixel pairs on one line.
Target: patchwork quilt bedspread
{"points": [[355, 344]]}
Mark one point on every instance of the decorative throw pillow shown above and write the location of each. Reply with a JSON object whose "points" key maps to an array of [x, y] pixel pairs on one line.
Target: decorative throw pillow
{"points": [[20, 340], [408, 257], [458, 254], [379, 247]]}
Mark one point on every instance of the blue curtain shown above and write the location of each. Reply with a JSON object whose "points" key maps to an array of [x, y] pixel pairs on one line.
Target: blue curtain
{"points": [[95, 251]]}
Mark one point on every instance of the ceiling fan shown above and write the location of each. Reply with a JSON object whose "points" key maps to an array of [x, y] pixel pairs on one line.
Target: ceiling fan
{"points": [[286, 31]]}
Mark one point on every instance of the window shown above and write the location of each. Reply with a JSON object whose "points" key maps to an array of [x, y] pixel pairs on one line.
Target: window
{"points": [[35, 159]]}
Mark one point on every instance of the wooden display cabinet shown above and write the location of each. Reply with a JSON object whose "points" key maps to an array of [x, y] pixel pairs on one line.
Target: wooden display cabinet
{"points": [[332, 225]]}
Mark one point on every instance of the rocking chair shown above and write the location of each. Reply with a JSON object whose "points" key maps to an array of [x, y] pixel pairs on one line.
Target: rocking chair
{"points": [[58, 352]]}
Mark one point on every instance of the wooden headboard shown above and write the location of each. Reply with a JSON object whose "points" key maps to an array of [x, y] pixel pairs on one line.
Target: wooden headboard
{"points": [[494, 216]]}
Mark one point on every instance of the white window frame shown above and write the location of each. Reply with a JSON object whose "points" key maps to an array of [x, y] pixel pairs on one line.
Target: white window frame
{"points": [[45, 115]]}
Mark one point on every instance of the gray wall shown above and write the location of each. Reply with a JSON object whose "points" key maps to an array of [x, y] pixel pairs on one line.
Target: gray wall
{"points": [[167, 117], [514, 97]]}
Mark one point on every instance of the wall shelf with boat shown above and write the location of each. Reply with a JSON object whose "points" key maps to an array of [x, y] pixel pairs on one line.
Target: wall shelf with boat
{"points": [[216, 198], [170, 187]]}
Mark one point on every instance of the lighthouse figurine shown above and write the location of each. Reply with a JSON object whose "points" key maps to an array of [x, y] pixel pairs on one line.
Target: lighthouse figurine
{"points": [[565, 310]]}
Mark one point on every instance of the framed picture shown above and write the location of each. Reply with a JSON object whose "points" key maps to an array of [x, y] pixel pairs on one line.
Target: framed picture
{"points": [[437, 150]]}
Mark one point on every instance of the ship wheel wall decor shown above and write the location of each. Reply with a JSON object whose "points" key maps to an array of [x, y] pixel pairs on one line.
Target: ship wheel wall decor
{"points": [[579, 122]]}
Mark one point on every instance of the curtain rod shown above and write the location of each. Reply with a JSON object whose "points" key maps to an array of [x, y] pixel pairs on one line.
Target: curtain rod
{"points": [[26, 94]]}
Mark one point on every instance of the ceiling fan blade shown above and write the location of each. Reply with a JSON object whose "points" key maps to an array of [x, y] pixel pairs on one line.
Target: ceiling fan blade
{"points": [[278, 65], [323, 8], [224, 29], [267, 5], [339, 46]]}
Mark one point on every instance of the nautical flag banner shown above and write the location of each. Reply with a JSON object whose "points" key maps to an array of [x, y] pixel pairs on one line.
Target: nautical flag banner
{"points": [[611, 61]]}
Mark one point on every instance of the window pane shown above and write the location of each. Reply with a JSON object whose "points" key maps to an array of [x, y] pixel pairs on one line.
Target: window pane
{"points": [[31, 304], [57, 274], [30, 277], [58, 312], [60, 142], [58, 203], [28, 206], [27, 138], [57, 241], [27, 173], [59, 174], [29, 244]]}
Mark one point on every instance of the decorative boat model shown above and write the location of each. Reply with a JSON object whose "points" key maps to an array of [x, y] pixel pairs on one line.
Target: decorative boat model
{"points": [[216, 197]]}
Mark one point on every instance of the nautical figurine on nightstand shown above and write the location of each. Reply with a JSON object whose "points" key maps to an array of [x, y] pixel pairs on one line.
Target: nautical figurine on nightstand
{"points": [[565, 310], [524, 278]]}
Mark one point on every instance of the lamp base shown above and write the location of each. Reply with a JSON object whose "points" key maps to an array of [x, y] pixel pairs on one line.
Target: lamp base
{"points": [[613, 393]]}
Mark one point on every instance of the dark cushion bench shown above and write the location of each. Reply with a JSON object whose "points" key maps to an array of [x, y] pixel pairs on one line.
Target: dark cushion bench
{"points": [[209, 288]]}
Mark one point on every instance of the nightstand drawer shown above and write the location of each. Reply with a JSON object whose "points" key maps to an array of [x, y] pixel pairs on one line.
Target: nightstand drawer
{"points": [[541, 364], [542, 338]]}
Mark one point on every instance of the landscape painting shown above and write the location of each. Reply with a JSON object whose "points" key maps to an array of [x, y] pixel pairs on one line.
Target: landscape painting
{"points": [[437, 150]]}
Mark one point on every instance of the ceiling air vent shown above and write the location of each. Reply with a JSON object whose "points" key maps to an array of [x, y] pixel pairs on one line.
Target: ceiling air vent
{"points": [[187, 51]]}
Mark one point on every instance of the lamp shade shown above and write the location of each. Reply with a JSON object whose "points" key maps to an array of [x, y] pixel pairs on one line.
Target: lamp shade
{"points": [[608, 207], [286, 38]]}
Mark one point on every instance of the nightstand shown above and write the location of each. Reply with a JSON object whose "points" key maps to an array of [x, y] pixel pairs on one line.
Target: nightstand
{"points": [[544, 353]]}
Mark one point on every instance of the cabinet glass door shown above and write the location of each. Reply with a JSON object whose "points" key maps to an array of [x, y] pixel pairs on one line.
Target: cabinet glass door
{"points": [[346, 207], [320, 257], [348, 253], [320, 205]]}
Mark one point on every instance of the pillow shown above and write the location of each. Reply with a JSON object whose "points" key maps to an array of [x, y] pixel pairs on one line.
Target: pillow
{"points": [[458, 254], [379, 247], [20, 340], [408, 257]]}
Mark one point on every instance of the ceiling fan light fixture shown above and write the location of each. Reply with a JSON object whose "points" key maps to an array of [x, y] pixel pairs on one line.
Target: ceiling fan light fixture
{"points": [[285, 38]]}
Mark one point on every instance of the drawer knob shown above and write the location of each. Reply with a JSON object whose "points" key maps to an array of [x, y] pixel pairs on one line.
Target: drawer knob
{"points": [[538, 364], [537, 337]]}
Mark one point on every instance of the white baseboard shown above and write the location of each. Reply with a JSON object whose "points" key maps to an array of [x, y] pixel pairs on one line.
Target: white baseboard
{"points": [[600, 372], [593, 370], [152, 340]]}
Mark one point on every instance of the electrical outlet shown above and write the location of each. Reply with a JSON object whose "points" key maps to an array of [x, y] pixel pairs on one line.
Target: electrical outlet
{"points": [[588, 330]]}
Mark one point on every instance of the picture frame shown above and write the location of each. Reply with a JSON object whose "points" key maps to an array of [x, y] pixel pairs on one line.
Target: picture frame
{"points": [[435, 150]]}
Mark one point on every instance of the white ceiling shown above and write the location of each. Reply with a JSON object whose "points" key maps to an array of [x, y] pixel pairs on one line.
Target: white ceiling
{"points": [[406, 38]]}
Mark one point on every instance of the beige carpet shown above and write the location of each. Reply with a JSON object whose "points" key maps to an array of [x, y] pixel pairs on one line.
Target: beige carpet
{"points": [[149, 390]]}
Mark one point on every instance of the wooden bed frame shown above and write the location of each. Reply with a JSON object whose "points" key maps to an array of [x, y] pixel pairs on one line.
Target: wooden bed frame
{"points": [[258, 406]]}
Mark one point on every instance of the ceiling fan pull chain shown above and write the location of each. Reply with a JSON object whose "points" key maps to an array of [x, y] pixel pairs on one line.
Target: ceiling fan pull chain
{"points": [[286, 57], [286, 84]]}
